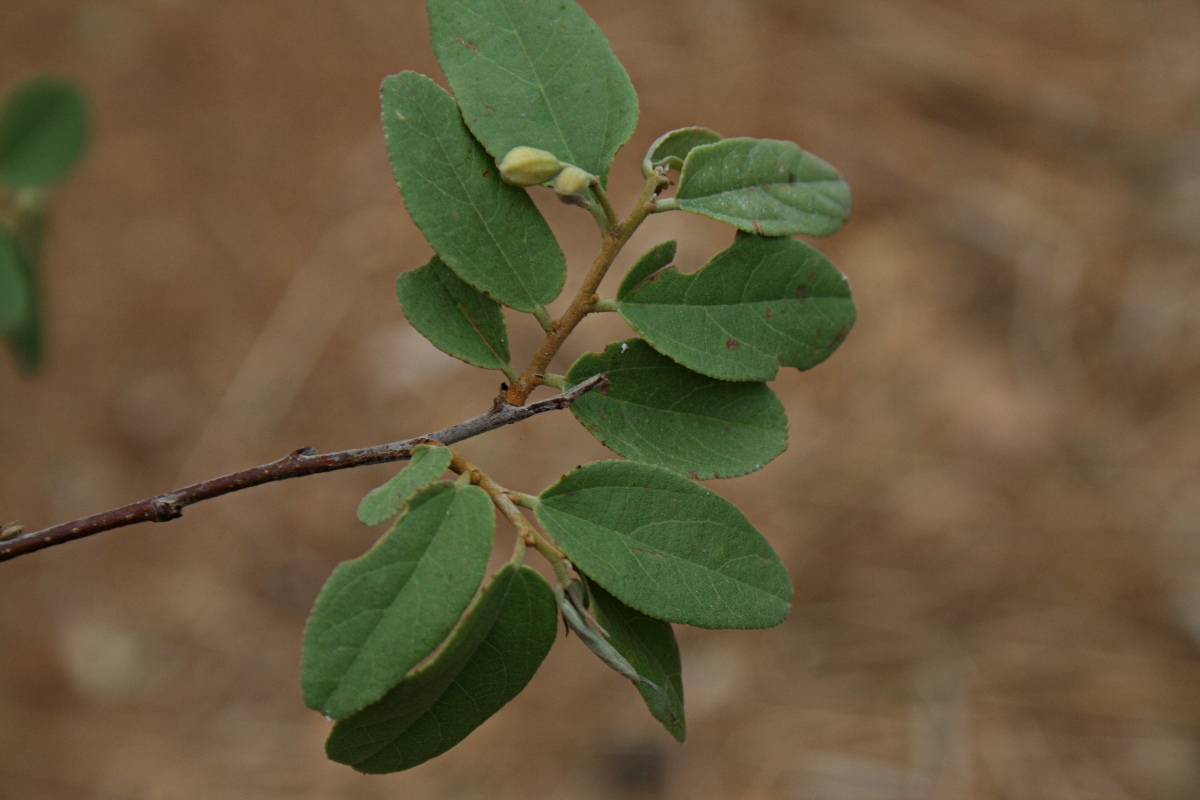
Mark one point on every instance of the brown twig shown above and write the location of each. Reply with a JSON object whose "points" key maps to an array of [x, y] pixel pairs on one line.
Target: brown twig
{"points": [[305, 461]]}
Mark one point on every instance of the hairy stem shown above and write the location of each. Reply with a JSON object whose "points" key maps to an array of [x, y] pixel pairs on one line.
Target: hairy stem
{"points": [[503, 500], [305, 461]]}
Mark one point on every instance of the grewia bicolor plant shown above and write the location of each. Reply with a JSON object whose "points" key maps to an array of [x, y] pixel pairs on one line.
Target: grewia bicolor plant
{"points": [[412, 646]]}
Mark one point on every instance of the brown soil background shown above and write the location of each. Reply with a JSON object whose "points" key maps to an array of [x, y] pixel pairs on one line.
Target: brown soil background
{"points": [[991, 502]]}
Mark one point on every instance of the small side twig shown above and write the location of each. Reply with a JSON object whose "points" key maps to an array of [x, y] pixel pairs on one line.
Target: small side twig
{"points": [[302, 462]]}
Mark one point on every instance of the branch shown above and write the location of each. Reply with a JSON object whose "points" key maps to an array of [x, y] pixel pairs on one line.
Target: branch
{"points": [[305, 461]]}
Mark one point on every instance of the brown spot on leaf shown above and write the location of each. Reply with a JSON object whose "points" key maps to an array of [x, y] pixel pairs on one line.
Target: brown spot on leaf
{"points": [[647, 552], [802, 291], [770, 313], [732, 344], [757, 227], [695, 475], [812, 276], [487, 173]]}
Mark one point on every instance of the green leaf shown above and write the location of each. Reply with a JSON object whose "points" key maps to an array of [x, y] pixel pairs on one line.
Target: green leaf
{"points": [[43, 131], [488, 232], [764, 186], [381, 614], [426, 465], [489, 659], [672, 148], [659, 412], [658, 258], [649, 645], [666, 546], [537, 73], [15, 292], [760, 303], [460, 320]]}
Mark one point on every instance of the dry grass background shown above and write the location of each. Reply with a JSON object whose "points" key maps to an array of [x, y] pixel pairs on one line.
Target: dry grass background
{"points": [[991, 502]]}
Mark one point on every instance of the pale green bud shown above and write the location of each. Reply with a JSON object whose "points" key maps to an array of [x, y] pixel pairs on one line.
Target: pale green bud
{"points": [[529, 166], [572, 182]]}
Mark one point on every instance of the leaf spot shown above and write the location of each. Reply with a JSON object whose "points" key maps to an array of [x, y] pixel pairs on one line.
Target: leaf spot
{"points": [[732, 344], [770, 313], [647, 552], [757, 227], [487, 173]]}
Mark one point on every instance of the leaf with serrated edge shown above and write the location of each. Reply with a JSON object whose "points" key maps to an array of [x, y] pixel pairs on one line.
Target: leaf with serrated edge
{"points": [[426, 465], [537, 73], [659, 412], [762, 303], [488, 660], [672, 148], [488, 232], [457, 318], [666, 546], [655, 259], [381, 614], [649, 645], [43, 132], [764, 186]]}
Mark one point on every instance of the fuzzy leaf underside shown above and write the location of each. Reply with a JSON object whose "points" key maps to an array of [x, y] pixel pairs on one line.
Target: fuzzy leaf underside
{"points": [[649, 645]]}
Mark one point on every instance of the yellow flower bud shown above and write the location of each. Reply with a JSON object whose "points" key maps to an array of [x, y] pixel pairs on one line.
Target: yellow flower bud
{"points": [[572, 182], [529, 166]]}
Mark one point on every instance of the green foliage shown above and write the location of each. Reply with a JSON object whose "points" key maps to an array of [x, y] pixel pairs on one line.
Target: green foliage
{"points": [[15, 294], [662, 413], [765, 187], [649, 645], [427, 464], [382, 614], [761, 303], [488, 660], [535, 73], [666, 546], [487, 231], [43, 133], [457, 318], [397, 651]]}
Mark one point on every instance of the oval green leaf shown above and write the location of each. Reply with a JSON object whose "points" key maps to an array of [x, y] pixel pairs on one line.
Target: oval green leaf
{"points": [[649, 645], [764, 186], [15, 300], [457, 318], [489, 659], [760, 303], [657, 411], [672, 148], [538, 73], [666, 546], [378, 616], [426, 465], [43, 132], [488, 232], [658, 258]]}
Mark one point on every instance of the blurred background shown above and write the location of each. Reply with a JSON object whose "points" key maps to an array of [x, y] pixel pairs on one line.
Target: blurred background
{"points": [[990, 505]]}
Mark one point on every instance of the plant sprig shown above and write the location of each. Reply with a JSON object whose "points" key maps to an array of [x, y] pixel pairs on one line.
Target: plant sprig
{"points": [[412, 646]]}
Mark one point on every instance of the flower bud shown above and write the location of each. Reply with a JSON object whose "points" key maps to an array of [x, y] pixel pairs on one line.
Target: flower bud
{"points": [[529, 166], [572, 182]]}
